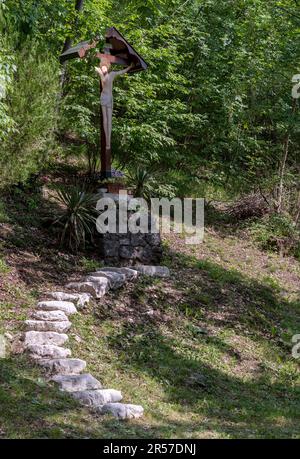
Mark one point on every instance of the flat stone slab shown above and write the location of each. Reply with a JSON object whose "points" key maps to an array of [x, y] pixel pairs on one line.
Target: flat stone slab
{"points": [[155, 271], [115, 280], [42, 338], [129, 273], [75, 383], [63, 366], [96, 398], [45, 325], [93, 288], [50, 316], [49, 351], [80, 299], [122, 411], [65, 306]]}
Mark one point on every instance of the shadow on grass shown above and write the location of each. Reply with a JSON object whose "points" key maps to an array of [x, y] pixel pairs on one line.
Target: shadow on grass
{"points": [[225, 297], [31, 408], [265, 404], [26, 233], [228, 404]]}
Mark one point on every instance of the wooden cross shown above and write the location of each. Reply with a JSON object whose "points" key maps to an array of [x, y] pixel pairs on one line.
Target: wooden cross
{"points": [[117, 51]]}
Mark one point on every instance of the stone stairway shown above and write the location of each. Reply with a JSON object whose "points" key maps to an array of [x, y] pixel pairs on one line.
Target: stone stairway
{"points": [[45, 337]]}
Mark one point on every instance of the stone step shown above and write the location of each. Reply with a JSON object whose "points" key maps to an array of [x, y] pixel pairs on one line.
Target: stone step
{"points": [[46, 325], [97, 290], [43, 338], [115, 280], [75, 383], [63, 366], [65, 306], [96, 398], [155, 271], [51, 316], [129, 273], [49, 351], [121, 410], [80, 299]]}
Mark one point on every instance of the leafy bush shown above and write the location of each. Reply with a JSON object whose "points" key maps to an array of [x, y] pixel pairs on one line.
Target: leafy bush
{"points": [[77, 217], [277, 232], [32, 105], [7, 68], [145, 184]]}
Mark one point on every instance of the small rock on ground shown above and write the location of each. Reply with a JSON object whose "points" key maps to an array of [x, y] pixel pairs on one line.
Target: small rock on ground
{"points": [[50, 316], [97, 291], [156, 271], [122, 411], [43, 338], [96, 398], [81, 299], [129, 273], [116, 280], [46, 325], [48, 351], [75, 383], [63, 366], [65, 306]]}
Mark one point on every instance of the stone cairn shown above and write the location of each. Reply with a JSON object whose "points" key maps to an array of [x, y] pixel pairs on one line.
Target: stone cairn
{"points": [[45, 336]]}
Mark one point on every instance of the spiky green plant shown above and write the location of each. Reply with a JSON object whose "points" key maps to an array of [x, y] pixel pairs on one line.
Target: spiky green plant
{"points": [[77, 216], [139, 179]]}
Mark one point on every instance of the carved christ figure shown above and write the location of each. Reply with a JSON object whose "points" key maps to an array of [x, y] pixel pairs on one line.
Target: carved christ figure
{"points": [[106, 99]]}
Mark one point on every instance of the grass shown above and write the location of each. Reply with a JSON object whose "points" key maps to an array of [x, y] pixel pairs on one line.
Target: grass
{"points": [[206, 352]]}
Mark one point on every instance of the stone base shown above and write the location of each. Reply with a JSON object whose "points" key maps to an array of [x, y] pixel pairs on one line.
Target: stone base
{"points": [[130, 249]]}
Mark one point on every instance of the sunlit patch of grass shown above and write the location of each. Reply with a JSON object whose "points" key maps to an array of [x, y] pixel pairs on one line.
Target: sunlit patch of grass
{"points": [[3, 266], [90, 264]]}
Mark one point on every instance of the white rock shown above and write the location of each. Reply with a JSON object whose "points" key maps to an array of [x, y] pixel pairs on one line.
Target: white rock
{"points": [[94, 289], [96, 398], [74, 383], [49, 351], [81, 299], [129, 273], [66, 306], [41, 325], [63, 366], [122, 411], [43, 338], [155, 271], [50, 316], [115, 280]]}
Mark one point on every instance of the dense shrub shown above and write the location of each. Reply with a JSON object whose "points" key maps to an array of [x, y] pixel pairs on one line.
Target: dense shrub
{"points": [[277, 232], [32, 105]]}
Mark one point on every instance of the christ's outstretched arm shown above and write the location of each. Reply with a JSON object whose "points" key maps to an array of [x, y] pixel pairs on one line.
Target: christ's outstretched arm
{"points": [[121, 72]]}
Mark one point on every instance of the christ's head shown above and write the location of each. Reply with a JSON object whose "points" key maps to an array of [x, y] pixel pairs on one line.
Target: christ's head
{"points": [[105, 66]]}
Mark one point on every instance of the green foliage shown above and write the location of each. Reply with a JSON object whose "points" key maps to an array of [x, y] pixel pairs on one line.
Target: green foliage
{"points": [[146, 184], [3, 214], [139, 180], [32, 101], [90, 264], [277, 232], [3, 266], [213, 112], [77, 216], [7, 68]]}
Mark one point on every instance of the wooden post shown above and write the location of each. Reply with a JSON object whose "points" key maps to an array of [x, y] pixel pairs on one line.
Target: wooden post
{"points": [[105, 154]]}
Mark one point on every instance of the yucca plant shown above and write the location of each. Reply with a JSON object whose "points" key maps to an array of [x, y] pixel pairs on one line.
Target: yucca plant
{"points": [[77, 216], [139, 179]]}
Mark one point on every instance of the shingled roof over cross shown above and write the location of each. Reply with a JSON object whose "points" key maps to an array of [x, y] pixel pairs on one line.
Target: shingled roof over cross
{"points": [[116, 49]]}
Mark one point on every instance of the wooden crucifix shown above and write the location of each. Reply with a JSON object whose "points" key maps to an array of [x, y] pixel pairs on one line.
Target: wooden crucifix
{"points": [[116, 51]]}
